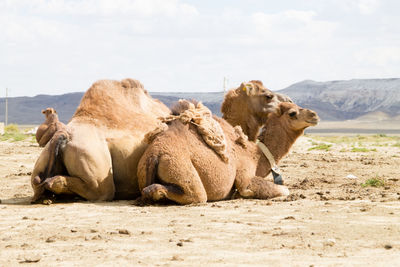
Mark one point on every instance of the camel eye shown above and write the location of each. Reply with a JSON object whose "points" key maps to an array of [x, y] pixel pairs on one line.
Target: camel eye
{"points": [[292, 114]]}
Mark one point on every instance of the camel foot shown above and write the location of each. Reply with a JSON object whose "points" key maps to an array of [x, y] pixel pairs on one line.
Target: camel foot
{"points": [[284, 191], [55, 185], [154, 192]]}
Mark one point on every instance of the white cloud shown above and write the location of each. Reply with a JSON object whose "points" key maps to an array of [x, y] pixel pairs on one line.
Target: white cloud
{"points": [[293, 27], [368, 6], [53, 46], [379, 56], [142, 8]]}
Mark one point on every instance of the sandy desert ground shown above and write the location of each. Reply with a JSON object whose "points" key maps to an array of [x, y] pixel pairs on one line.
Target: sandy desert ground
{"points": [[343, 210]]}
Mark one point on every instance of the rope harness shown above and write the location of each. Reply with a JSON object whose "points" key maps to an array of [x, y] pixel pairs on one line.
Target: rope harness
{"points": [[208, 128]]}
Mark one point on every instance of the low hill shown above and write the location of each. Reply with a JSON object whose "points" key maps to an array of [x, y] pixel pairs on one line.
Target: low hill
{"points": [[27, 110], [368, 99], [344, 100]]}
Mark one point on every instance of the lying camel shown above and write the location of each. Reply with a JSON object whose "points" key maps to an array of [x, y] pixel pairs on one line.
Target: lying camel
{"points": [[96, 155], [249, 105], [179, 166], [47, 129]]}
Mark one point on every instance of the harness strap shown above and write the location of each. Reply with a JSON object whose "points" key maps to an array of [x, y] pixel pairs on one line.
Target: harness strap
{"points": [[276, 172]]}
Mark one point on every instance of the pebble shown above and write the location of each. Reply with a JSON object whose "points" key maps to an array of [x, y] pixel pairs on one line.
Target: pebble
{"points": [[330, 242], [31, 258], [351, 176], [388, 246], [51, 239], [124, 232]]}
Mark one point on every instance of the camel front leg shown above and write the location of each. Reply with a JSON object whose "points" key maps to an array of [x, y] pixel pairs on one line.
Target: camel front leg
{"points": [[62, 184], [179, 182], [258, 187]]}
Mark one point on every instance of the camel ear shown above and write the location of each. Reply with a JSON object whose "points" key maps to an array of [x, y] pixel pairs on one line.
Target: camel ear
{"points": [[282, 108], [43, 111], [248, 88]]}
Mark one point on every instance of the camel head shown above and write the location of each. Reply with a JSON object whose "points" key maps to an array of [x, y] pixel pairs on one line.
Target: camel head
{"points": [[295, 117], [49, 111], [261, 100]]}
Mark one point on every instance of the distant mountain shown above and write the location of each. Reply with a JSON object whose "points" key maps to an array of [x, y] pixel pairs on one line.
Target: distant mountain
{"points": [[27, 110], [334, 100], [344, 100]]}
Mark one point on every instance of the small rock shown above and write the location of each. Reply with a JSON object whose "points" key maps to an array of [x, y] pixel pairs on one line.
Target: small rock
{"points": [[124, 232], [25, 218], [388, 246], [289, 218], [51, 239], [47, 202], [176, 258], [330, 242], [97, 237], [31, 259], [351, 176], [93, 231], [74, 230], [179, 244]]}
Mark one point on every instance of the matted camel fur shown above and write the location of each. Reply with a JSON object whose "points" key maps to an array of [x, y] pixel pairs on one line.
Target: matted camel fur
{"points": [[47, 129], [96, 158], [178, 165], [209, 129], [249, 105]]}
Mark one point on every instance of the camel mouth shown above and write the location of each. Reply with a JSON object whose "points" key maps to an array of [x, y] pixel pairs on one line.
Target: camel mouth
{"points": [[313, 121]]}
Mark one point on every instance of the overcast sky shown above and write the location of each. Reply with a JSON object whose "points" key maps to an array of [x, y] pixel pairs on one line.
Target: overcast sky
{"points": [[61, 46]]}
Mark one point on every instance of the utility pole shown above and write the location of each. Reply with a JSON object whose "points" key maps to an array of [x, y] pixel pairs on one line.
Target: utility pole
{"points": [[225, 82], [6, 120]]}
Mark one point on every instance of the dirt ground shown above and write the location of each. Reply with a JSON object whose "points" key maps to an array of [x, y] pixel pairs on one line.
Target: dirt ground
{"points": [[333, 216]]}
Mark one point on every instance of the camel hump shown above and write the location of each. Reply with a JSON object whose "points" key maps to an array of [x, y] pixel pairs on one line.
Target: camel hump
{"points": [[200, 116], [131, 83], [182, 105]]}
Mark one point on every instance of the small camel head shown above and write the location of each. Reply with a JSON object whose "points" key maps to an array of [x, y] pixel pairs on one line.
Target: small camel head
{"points": [[295, 117], [49, 111], [262, 100]]}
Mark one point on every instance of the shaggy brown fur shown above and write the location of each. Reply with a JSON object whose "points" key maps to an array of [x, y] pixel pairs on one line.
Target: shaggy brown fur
{"points": [[97, 157], [179, 166], [199, 115], [47, 129], [249, 105]]}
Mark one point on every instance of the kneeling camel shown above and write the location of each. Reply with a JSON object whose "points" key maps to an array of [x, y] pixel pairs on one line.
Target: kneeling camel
{"points": [[47, 129], [179, 166]]}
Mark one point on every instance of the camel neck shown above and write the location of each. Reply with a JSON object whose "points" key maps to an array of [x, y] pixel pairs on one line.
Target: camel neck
{"points": [[278, 138], [52, 117]]}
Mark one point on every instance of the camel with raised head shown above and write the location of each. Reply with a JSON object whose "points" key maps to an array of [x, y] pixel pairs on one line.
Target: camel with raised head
{"points": [[47, 129], [178, 165], [249, 105], [96, 155]]}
